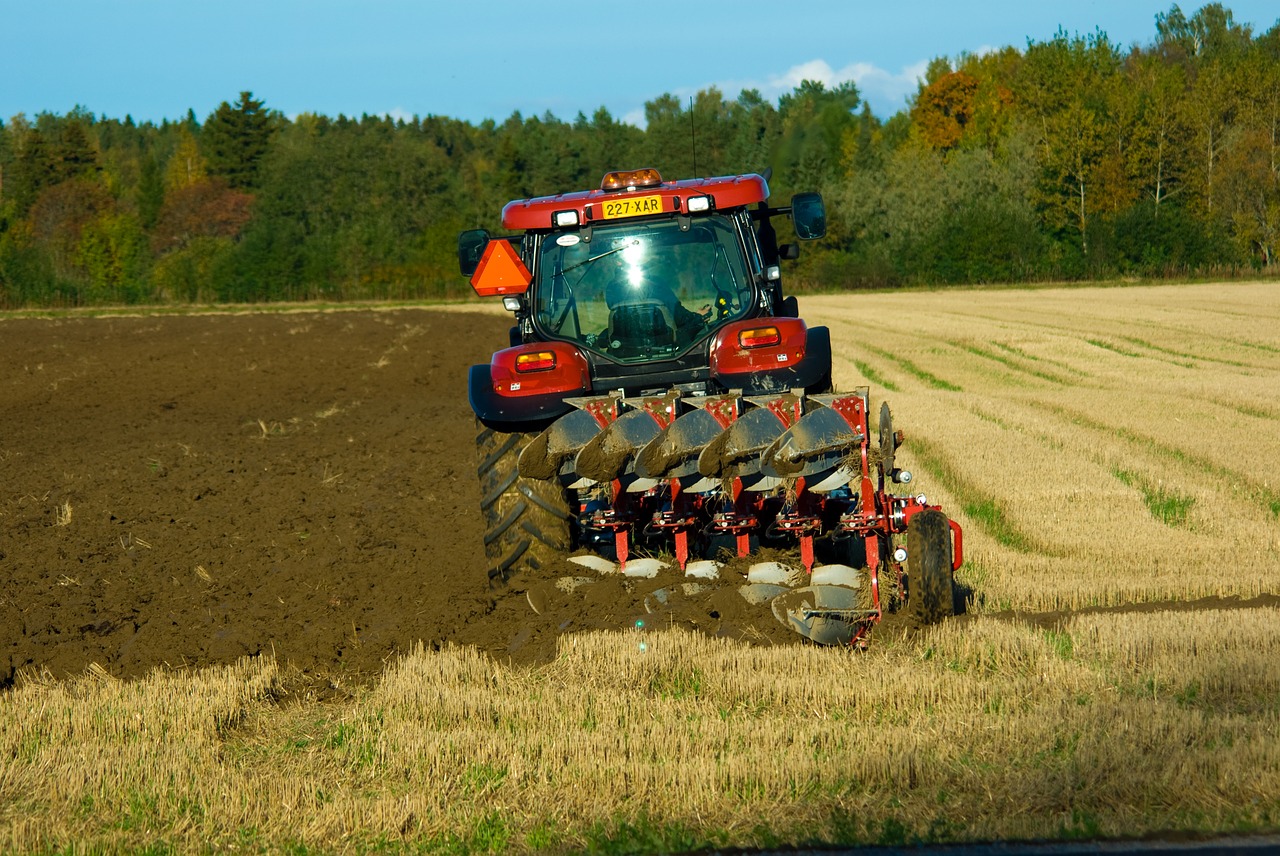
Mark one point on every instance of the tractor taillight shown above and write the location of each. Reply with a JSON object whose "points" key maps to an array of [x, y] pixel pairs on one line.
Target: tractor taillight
{"points": [[538, 361], [544, 368], [757, 344], [760, 337]]}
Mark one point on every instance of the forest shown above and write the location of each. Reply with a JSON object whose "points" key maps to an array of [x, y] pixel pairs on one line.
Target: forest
{"points": [[1073, 158]]}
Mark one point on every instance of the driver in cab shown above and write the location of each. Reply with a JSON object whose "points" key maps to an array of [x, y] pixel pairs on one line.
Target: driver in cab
{"points": [[629, 289]]}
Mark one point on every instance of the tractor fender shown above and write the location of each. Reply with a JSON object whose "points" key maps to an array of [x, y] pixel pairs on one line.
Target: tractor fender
{"points": [[812, 372], [524, 413]]}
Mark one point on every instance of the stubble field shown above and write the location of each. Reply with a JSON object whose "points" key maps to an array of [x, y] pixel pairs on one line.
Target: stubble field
{"points": [[242, 597]]}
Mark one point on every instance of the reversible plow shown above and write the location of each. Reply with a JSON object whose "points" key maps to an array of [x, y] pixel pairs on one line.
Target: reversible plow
{"points": [[662, 404], [708, 478]]}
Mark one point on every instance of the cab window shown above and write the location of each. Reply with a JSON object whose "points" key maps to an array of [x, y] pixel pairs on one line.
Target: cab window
{"points": [[643, 290]]}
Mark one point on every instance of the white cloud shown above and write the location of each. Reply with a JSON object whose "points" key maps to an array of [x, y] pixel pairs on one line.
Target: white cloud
{"points": [[886, 91], [634, 117]]}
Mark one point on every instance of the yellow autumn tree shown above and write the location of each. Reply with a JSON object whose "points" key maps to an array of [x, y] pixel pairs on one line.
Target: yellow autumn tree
{"points": [[187, 166], [944, 109]]}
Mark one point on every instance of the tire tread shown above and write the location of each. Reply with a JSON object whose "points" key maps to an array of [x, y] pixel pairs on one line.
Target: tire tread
{"points": [[931, 593], [526, 520]]}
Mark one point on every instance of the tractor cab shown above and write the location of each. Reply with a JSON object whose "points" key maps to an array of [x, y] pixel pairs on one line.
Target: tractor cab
{"points": [[641, 270], [644, 290]]}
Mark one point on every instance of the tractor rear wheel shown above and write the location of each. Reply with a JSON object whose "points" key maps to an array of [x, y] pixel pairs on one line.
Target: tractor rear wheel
{"points": [[526, 521], [929, 574]]}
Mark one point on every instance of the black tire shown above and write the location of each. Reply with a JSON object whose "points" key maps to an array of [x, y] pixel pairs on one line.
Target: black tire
{"points": [[526, 521], [929, 576], [822, 387]]}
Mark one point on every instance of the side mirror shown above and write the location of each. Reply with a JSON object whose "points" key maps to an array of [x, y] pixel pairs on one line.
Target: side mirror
{"points": [[471, 244], [790, 252], [809, 216]]}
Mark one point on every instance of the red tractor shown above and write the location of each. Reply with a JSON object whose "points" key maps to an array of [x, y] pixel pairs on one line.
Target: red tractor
{"points": [[661, 397]]}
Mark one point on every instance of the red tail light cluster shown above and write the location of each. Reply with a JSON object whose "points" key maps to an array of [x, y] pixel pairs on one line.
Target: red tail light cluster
{"points": [[760, 337], [758, 344], [539, 369], [538, 361]]}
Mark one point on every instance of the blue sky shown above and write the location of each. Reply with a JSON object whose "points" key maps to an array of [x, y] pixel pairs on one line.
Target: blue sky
{"points": [[154, 59]]}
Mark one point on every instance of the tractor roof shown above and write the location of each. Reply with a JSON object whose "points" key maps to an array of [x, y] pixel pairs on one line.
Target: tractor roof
{"points": [[634, 193]]}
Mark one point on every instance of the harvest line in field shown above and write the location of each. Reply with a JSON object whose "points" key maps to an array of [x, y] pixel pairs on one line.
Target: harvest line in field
{"points": [[1237, 482]]}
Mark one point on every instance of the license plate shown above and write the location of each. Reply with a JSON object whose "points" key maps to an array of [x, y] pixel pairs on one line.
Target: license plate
{"points": [[631, 206]]}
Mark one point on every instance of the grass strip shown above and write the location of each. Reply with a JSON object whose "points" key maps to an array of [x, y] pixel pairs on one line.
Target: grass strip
{"points": [[282, 307], [1167, 506], [1143, 343], [1257, 346], [1245, 409], [1116, 349], [911, 368], [1267, 497], [987, 417], [1009, 363], [1027, 355], [980, 507], [874, 376]]}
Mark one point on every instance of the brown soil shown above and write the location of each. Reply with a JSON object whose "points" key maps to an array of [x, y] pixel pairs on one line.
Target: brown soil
{"points": [[186, 490]]}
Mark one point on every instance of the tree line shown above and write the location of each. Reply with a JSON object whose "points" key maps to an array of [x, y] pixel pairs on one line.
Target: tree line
{"points": [[1071, 158]]}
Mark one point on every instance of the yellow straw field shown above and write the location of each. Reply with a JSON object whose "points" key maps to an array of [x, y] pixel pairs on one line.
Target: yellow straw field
{"points": [[1100, 446], [1111, 724]]}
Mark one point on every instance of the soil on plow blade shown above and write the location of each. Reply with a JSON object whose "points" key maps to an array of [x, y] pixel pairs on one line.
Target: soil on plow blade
{"points": [[187, 490]]}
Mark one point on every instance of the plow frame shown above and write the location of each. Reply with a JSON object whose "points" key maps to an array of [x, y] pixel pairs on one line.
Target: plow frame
{"points": [[669, 513]]}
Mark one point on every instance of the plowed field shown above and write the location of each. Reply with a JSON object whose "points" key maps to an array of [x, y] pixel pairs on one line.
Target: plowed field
{"points": [[186, 490]]}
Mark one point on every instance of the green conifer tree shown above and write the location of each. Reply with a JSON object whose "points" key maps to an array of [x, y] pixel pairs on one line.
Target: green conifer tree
{"points": [[235, 139]]}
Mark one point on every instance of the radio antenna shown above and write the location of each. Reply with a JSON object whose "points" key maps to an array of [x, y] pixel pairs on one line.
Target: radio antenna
{"points": [[693, 136]]}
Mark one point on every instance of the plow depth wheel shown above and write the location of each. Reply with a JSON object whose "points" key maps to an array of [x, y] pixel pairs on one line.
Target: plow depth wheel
{"points": [[526, 521], [929, 566]]}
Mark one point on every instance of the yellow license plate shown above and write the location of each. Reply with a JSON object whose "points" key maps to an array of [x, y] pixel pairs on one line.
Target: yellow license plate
{"points": [[631, 206]]}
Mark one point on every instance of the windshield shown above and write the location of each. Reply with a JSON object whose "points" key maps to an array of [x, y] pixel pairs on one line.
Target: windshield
{"points": [[642, 291]]}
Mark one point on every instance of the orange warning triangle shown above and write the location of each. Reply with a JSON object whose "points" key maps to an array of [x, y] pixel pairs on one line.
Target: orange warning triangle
{"points": [[500, 271]]}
